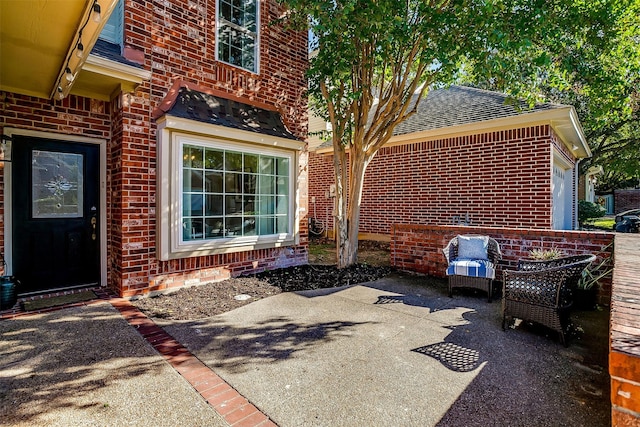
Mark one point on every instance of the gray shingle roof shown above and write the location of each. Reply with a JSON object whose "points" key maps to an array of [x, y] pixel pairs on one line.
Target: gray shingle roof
{"points": [[111, 51], [461, 105], [203, 107]]}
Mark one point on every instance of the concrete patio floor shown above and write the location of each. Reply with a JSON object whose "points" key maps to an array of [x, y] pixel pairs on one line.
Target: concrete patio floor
{"points": [[395, 353], [388, 353]]}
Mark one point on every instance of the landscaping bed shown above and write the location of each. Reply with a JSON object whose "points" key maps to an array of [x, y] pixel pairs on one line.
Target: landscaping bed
{"points": [[218, 297]]}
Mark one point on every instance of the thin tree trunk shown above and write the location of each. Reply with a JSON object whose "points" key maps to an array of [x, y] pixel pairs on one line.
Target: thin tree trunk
{"points": [[349, 224], [341, 232]]}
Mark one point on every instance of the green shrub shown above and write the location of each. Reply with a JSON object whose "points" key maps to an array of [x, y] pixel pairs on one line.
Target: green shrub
{"points": [[588, 210]]}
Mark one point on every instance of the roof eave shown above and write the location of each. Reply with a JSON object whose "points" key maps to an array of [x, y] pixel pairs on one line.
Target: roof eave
{"points": [[564, 121]]}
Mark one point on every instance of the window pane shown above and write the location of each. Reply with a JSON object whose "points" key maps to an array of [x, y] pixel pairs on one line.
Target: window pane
{"points": [[192, 156], [249, 225], [57, 189], [247, 51], [192, 204], [186, 229], [237, 16], [250, 17], [232, 182], [235, 53], [192, 229], [233, 161], [265, 225], [282, 167], [250, 182], [214, 159], [224, 50], [267, 205], [233, 205], [282, 224], [213, 182], [282, 186], [225, 10], [234, 226], [192, 180], [213, 205], [249, 205], [250, 163], [267, 185], [266, 165], [214, 228], [282, 206]]}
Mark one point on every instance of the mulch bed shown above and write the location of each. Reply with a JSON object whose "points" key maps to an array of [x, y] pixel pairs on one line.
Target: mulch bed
{"points": [[219, 297]]}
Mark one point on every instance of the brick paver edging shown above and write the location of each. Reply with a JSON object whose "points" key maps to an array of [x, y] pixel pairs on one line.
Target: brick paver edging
{"points": [[231, 405]]}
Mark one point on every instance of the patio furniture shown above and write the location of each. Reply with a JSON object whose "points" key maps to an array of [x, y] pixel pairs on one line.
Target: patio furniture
{"points": [[540, 291], [471, 262]]}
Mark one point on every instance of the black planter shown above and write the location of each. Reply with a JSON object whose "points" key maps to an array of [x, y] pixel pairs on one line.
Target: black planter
{"points": [[8, 294], [585, 299]]}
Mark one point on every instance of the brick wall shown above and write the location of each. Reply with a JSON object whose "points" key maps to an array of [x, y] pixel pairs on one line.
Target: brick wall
{"points": [[175, 40], [418, 248], [626, 199], [496, 178], [73, 115], [178, 42]]}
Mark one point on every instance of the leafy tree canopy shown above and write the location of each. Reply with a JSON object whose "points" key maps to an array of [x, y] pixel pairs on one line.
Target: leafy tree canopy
{"points": [[376, 60], [596, 69]]}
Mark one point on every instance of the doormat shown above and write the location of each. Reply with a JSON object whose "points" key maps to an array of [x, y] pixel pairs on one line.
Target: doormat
{"points": [[42, 303]]}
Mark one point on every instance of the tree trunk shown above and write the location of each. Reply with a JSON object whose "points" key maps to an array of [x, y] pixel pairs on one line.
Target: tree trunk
{"points": [[348, 200], [340, 163]]}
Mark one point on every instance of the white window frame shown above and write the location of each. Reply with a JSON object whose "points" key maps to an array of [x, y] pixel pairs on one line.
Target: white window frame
{"points": [[256, 47], [175, 132]]}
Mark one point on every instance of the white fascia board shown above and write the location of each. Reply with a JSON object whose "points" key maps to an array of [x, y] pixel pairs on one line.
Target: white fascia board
{"points": [[564, 121], [116, 69]]}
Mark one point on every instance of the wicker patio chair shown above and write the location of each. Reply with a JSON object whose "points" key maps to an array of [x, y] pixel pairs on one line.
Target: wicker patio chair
{"points": [[472, 271], [541, 293]]}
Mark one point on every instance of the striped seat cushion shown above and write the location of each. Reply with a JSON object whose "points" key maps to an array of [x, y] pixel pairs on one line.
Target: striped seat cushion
{"points": [[472, 268]]}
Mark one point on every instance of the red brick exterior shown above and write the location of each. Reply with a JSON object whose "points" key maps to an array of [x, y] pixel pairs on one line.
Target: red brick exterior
{"points": [[625, 200], [418, 248], [175, 40], [499, 179]]}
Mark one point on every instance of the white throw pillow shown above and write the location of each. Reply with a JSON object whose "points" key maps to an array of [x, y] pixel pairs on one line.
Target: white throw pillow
{"points": [[473, 247]]}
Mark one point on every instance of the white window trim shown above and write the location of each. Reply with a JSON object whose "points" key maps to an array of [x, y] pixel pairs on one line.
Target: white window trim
{"points": [[257, 45], [173, 132]]}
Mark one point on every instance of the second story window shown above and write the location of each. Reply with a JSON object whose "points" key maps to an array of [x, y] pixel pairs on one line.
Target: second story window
{"points": [[237, 33], [112, 30]]}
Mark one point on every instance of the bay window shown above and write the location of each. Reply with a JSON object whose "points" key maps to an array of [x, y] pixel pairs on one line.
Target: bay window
{"points": [[224, 190], [227, 193]]}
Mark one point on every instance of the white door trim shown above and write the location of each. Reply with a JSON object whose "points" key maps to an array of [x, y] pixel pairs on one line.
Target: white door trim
{"points": [[565, 197]]}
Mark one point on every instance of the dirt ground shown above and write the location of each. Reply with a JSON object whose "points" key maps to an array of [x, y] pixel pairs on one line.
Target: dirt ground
{"points": [[216, 298]]}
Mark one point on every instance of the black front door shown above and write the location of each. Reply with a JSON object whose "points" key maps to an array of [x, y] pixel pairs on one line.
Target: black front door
{"points": [[55, 214]]}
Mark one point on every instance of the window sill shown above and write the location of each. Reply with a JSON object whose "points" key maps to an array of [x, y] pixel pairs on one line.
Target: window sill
{"points": [[199, 248]]}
